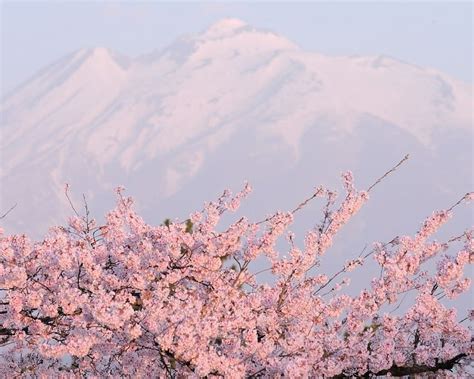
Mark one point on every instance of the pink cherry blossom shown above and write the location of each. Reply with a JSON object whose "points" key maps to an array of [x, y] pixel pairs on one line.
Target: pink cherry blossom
{"points": [[182, 299]]}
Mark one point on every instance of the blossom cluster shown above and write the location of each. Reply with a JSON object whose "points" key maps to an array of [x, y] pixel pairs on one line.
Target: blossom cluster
{"points": [[127, 299]]}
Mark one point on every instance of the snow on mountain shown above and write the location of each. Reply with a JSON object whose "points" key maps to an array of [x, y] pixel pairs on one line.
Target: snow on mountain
{"points": [[210, 110]]}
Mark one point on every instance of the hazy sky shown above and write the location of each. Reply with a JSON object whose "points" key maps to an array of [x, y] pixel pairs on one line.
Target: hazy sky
{"points": [[436, 34]]}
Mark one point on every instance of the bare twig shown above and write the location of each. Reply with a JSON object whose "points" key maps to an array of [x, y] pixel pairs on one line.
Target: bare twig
{"points": [[400, 303], [66, 191], [457, 238], [389, 172], [86, 208], [343, 269], [7, 212], [465, 197]]}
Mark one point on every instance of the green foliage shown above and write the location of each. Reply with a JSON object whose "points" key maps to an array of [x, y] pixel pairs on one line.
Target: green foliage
{"points": [[188, 223], [189, 226]]}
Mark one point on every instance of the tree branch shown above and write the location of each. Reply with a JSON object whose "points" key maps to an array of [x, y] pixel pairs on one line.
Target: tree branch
{"points": [[410, 370]]}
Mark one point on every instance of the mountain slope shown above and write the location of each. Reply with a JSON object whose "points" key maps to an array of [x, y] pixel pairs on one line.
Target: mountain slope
{"points": [[230, 103]]}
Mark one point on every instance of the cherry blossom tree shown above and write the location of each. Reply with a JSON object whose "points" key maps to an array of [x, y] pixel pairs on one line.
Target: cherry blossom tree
{"points": [[127, 299]]}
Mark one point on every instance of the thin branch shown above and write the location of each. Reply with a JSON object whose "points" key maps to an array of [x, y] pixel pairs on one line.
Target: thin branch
{"points": [[457, 238], [399, 304], [261, 271], [465, 197], [66, 191], [389, 172], [343, 269], [86, 208], [7, 212], [299, 207], [329, 281]]}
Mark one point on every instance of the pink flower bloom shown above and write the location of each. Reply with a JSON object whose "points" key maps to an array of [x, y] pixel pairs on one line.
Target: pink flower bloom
{"points": [[134, 300]]}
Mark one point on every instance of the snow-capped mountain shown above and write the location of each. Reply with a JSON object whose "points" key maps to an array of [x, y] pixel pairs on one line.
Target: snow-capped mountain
{"points": [[179, 125]]}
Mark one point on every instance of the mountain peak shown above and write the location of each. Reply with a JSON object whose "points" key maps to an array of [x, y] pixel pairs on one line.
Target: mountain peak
{"points": [[95, 54], [225, 27], [101, 58], [245, 37]]}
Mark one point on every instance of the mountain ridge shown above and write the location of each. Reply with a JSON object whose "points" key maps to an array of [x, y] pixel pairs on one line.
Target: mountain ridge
{"points": [[100, 119]]}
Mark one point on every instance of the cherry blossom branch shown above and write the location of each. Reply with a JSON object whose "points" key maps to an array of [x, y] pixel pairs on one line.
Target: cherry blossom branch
{"points": [[159, 302]]}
